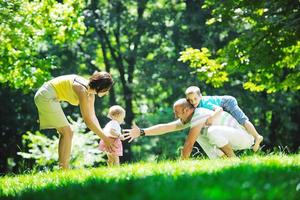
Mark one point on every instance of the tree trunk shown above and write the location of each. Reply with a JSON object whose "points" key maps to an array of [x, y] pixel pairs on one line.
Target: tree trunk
{"points": [[273, 129], [125, 63], [296, 119], [112, 96]]}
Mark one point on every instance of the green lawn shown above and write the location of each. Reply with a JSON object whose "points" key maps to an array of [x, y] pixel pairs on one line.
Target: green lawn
{"points": [[253, 177]]}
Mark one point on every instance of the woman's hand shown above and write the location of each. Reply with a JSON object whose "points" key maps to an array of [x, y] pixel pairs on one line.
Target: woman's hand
{"points": [[122, 137], [109, 144]]}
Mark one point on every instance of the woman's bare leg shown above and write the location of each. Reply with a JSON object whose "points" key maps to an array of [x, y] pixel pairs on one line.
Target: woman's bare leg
{"points": [[65, 145]]}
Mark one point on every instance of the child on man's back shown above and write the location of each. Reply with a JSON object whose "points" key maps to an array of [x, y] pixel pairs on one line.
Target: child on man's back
{"points": [[220, 103]]}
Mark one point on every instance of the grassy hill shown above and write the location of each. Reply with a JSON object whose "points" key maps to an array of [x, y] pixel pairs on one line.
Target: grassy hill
{"points": [[253, 177]]}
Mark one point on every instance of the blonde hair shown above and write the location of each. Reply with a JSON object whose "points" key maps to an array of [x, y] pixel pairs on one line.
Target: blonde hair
{"points": [[115, 111], [193, 90]]}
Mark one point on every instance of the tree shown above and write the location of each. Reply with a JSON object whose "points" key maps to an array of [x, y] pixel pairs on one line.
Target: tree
{"points": [[27, 31], [30, 33], [266, 48]]}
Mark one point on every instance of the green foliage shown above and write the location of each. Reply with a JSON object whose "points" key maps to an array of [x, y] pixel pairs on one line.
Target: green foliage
{"points": [[264, 44], [43, 150], [208, 70], [170, 26], [269, 177], [28, 30]]}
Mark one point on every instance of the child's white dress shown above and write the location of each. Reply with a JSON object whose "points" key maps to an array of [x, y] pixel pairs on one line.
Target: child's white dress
{"points": [[113, 130]]}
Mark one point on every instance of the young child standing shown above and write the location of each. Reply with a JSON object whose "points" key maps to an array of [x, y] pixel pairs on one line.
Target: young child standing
{"points": [[217, 104], [113, 130]]}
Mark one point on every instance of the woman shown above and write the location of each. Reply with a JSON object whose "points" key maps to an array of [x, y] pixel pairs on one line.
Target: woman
{"points": [[75, 90]]}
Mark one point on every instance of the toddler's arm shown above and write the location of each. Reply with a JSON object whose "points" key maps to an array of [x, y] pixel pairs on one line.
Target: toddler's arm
{"points": [[115, 132], [217, 111]]}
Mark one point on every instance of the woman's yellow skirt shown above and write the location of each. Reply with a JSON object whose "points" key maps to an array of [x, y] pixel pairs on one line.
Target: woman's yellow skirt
{"points": [[51, 114]]}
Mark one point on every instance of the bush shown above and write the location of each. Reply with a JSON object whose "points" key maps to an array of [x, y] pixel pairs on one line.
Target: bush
{"points": [[43, 150]]}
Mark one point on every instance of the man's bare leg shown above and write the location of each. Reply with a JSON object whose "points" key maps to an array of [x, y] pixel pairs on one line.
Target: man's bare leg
{"points": [[227, 149]]}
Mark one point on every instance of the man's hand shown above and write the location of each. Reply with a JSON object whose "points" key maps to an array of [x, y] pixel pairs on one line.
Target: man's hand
{"points": [[182, 156], [132, 133]]}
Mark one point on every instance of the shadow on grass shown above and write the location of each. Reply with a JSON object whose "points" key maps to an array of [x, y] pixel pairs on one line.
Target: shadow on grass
{"points": [[240, 182]]}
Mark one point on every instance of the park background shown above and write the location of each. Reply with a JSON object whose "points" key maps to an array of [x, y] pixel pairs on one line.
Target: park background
{"points": [[154, 49]]}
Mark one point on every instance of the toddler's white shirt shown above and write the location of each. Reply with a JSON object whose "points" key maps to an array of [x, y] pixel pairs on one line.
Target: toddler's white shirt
{"points": [[112, 129]]}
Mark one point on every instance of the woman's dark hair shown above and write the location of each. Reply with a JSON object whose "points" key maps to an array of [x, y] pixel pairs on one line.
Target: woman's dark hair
{"points": [[101, 81]]}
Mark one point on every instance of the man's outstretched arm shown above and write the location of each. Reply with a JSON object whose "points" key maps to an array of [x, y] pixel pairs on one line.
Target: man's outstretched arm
{"points": [[161, 129], [158, 129]]}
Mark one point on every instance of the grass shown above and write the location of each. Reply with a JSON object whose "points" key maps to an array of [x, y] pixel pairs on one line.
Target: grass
{"points": [[252, 177]]}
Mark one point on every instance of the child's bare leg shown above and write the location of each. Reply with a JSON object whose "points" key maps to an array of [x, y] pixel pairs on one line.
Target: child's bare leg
{"points": [[239, 115], [112, 160], [258, 138], [117, 161]]}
